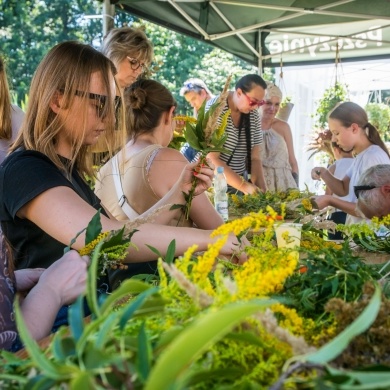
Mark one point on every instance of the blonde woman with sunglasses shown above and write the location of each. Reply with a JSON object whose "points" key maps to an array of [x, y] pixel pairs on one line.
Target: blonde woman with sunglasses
{"points": [[44, 199], [244, 136]]}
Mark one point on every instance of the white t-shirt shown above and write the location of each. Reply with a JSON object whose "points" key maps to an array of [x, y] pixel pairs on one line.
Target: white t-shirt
{"points": [[371, 156], [17, 116]]}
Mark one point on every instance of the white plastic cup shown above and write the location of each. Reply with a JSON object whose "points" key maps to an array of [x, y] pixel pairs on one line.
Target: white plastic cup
{"points": [[288, 235]]}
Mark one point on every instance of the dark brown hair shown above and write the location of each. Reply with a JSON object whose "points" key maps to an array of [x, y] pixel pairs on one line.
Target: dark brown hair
{"points": [[145, 102], [247, 82]]}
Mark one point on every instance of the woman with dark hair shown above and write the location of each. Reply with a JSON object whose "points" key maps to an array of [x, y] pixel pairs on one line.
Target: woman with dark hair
{"points": [[352, 132], [244, 136]]}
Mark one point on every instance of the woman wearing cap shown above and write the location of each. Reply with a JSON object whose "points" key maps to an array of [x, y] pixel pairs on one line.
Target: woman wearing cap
{"points": [[195, 92], [244, 136], [277, 150]]}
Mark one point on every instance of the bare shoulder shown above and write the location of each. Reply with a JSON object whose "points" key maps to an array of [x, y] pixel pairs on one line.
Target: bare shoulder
{"points": [[170, 154], [281, 127]]}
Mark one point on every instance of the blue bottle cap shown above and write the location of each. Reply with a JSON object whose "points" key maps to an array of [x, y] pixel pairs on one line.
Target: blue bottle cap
{"points": [[219, 169]]}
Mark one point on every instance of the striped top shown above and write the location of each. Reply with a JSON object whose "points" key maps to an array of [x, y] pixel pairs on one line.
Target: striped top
{"points": [[238, 145]]}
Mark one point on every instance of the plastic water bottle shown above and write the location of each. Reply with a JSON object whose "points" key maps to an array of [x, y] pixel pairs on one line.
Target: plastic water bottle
{"points": [[220, 195]]}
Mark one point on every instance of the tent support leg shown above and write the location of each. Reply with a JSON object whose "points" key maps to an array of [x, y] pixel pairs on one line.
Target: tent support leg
{"points": [[108, 16], [259, 61]]}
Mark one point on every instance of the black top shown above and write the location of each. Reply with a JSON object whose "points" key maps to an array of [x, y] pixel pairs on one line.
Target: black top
{"points": [[23, 176]]}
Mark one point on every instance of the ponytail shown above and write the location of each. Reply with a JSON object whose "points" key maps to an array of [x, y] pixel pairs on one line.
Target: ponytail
{"points": [[374, 137]]}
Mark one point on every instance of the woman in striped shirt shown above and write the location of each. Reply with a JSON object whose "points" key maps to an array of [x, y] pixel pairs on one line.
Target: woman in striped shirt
{"points": [[242, 166]]}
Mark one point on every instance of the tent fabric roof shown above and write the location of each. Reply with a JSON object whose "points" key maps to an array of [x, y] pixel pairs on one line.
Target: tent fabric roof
{"points": [[292, 31]]}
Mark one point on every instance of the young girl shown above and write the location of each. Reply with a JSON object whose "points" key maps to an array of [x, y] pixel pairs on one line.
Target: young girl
{"points": [[44, 199], [351, 131]]}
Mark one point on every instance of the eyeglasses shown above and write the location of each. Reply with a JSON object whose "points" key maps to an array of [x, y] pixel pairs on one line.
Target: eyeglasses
{"points": [[135, 64], [252, 102], [357, 189], [100, 102]]}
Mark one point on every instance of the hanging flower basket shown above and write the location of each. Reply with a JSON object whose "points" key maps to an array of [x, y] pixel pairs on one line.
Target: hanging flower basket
{"points": [[285, 111]]}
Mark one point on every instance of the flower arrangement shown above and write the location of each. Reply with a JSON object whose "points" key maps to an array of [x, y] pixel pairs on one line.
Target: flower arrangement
{"points": [[244, 326], [206, 134]]}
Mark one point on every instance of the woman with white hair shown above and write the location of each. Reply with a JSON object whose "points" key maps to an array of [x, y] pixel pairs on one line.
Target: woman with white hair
{"points": [[280, 166]]}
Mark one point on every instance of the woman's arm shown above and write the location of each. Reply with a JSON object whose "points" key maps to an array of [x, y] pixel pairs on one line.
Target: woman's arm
{"points": [[61, 213], [331, 169], [285, 131], [58, 285], [257, 175], [337, 186], [329, 200], [232, 178], [165, 174]]}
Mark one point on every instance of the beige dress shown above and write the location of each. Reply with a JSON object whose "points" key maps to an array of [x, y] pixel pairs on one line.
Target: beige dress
{"points": [[276, 167], [135, 184]]}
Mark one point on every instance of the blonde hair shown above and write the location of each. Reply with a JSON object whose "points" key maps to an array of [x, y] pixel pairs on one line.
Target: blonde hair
{"points": [[127, 41], [5, 104], [66, 70]]}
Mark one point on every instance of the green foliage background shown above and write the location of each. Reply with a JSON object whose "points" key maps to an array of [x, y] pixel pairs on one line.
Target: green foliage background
{"points": [[28, 29]]}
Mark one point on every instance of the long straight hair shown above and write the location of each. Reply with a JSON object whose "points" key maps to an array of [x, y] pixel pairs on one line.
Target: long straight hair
{"points": [[66, 69], [348, 113], [5, 104]]}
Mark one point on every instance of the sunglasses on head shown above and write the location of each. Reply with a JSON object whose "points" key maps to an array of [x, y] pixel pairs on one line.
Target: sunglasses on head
{"points": [[357, 189], [192, 86], [253, 102], [100, 102]]}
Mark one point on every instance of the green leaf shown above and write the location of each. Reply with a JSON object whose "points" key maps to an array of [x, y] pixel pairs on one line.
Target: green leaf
{"points": [[135, 304], [94, 228], [92, 281], [127, 287], [170, 256], [49, 368], [191, 137], [83, 381], [62, 347], [335, 347], [106, 330], [73, 240], [144, 356], [154, 250], [76, 317], [195, 339]]}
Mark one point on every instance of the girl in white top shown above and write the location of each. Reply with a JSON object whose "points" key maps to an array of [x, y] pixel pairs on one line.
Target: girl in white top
{"points": [[351, 130]]}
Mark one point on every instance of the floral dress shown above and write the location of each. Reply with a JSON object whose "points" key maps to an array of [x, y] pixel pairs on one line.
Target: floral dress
{"points": [[276, 166]]}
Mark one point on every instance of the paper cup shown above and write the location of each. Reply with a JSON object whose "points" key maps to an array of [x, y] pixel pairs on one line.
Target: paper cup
{"points": [[288, 235]]}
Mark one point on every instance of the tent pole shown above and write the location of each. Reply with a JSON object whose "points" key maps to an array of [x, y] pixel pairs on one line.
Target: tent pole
{"points": [[259, 61], [108, 16]]}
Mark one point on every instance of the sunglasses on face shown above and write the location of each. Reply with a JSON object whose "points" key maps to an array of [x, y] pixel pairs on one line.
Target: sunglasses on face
{"points": [[135, 64], [101, 102], [252, 102], [357, 189]]}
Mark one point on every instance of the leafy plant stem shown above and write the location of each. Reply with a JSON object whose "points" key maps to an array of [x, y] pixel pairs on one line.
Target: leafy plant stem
{"points": [[190, 196]]}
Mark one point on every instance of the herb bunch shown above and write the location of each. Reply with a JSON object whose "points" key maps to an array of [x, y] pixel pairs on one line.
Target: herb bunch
{"points": [[206, 134]]}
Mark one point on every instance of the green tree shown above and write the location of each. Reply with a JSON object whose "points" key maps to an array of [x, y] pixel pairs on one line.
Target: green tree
{"points": [[30, 28]]}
